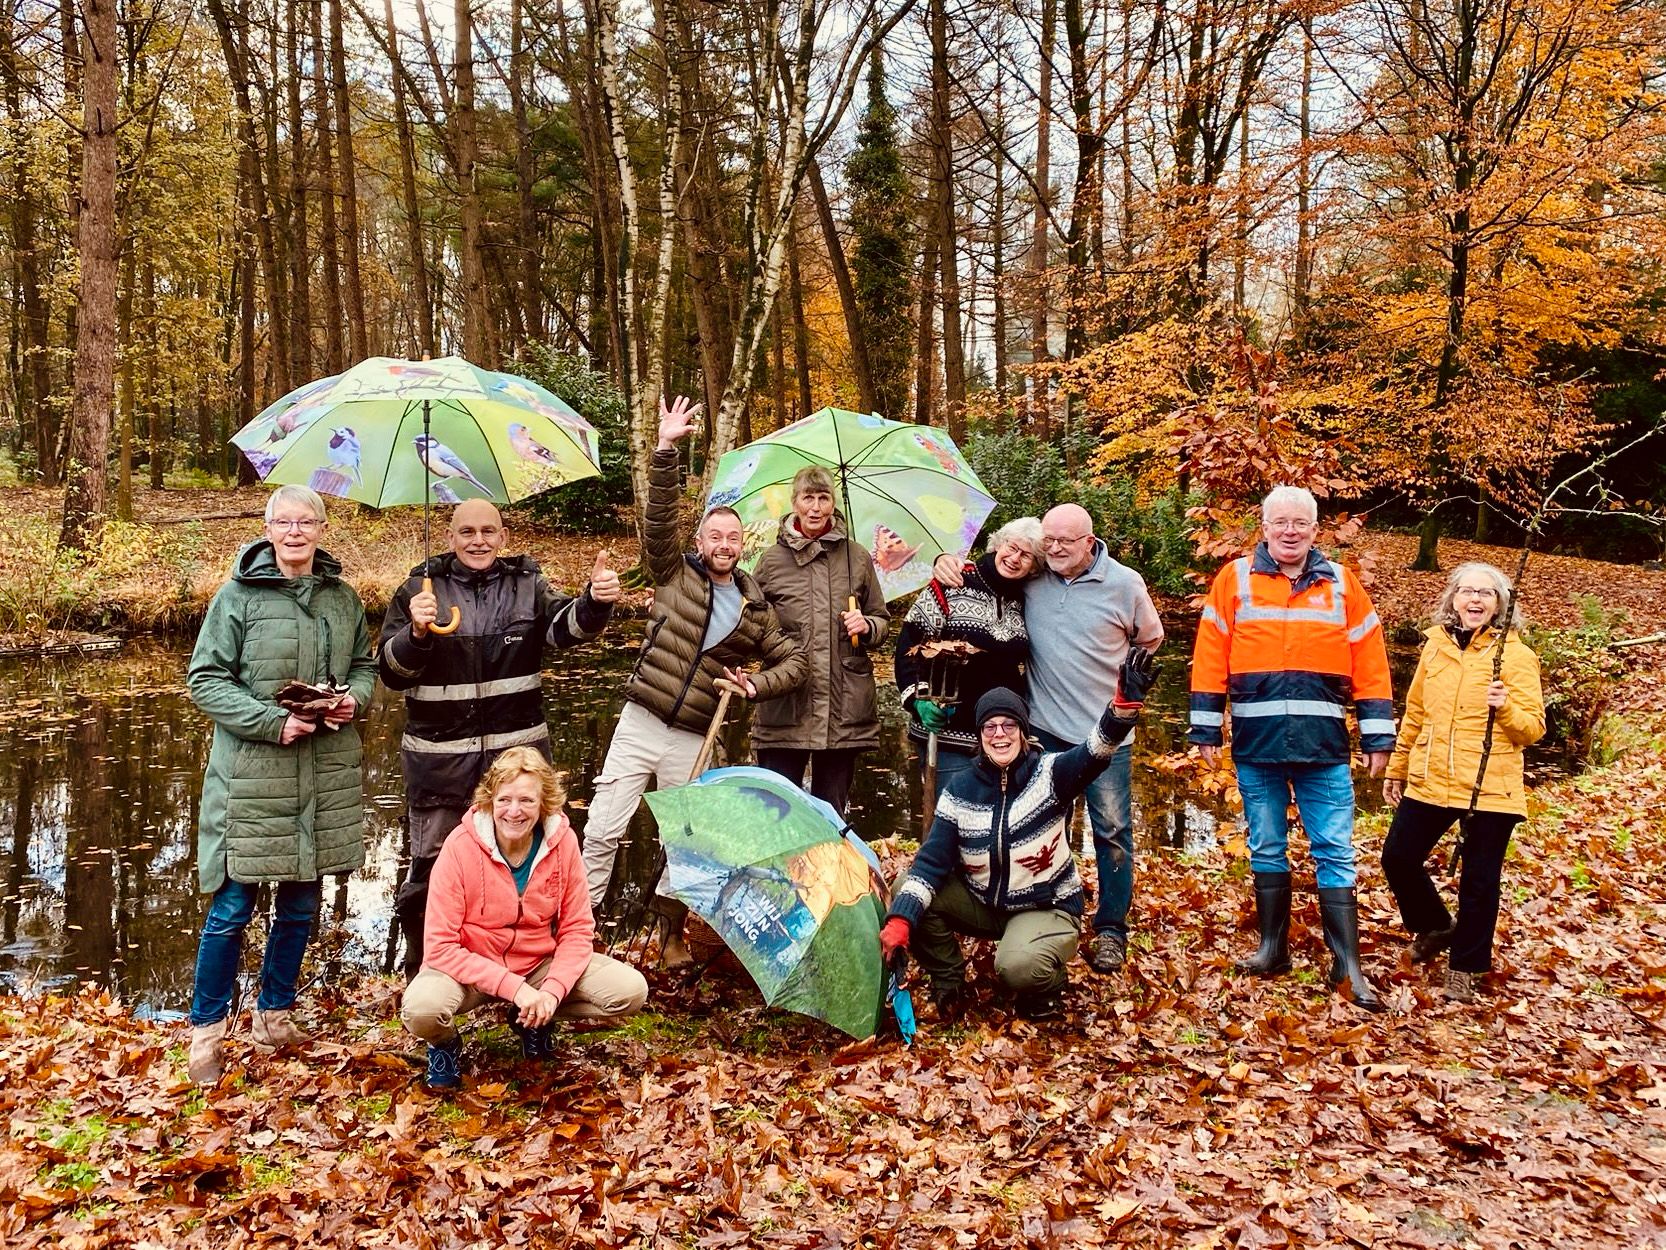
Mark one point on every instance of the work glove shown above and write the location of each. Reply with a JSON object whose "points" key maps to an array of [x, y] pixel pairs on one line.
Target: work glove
{"points": [[933, 716], [893, 937], [1139, 674]]}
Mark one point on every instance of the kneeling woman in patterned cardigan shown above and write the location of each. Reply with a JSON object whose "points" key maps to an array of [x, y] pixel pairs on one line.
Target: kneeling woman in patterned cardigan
{"points": [[997, 862]]}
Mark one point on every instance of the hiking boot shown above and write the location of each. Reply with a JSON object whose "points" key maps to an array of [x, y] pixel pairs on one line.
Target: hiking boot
{"points": [[445, 1065], [1040, 1004], [276, 1028], [1108, 951], [537, 1045], [1460, 986], [1272, 911], [1339, 913], [1426, 946], [950, 1002], [207, 1062]]}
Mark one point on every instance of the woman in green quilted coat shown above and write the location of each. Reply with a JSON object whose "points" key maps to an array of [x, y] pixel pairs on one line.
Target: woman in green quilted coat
{"points": [[282, 800]]}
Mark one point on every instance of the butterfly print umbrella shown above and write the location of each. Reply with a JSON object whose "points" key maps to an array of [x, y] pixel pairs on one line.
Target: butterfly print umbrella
{"points": [[906, 491]]}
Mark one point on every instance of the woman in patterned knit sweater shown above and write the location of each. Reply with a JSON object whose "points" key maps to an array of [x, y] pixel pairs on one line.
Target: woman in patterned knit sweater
{"points": [[988, 613], [997, 862]]}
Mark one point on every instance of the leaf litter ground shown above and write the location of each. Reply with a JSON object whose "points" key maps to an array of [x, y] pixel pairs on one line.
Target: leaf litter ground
{"points": [[1174, 1105]]}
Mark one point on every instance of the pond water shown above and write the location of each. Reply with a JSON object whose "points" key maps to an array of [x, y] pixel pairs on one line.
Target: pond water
{"points": [[101, 764]]}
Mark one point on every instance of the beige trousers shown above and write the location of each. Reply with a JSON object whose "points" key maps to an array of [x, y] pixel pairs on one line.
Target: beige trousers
{"points": [[606, 989]]}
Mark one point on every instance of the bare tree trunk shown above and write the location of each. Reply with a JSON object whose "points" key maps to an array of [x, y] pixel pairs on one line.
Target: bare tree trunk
{"points": [[1040, 404], [998, 240], [95, 347], [925, 349], [408, 187], [942, 186], [477, 316], [520, 61], [126, 359], [335, 351], [357, 327], [860, 366], [1240, 260], [801, 332], [36, 415], [147, 323], [1302, 280], [300, 255]]}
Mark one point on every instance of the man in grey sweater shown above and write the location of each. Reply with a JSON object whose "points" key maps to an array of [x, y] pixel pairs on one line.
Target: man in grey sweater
{"points": [[1083, 613]]}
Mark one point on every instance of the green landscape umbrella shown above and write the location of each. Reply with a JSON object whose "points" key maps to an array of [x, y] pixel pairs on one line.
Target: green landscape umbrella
{"points": [[389, 432], [796, 897], [906, 490]]}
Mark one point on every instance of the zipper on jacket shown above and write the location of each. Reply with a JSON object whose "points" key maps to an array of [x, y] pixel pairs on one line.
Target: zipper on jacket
{"points": [[997, 850], [705, 624]]}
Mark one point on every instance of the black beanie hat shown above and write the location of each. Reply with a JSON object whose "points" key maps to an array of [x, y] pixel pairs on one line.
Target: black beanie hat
{"points": [[1003, 702]]}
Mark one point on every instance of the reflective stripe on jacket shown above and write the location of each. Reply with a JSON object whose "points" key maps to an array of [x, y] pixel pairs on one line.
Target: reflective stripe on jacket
{"points": [[1439, 749], [1290, 656]]}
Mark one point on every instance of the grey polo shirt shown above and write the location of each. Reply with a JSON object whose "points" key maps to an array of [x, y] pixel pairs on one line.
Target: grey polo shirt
{"points": [[1080, 630]]}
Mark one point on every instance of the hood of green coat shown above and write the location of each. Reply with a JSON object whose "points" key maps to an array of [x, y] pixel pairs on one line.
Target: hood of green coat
{"points": [[257, 565]]}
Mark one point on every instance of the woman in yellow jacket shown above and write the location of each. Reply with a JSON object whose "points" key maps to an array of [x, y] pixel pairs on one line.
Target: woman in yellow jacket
{"points": [[1436, 757]]}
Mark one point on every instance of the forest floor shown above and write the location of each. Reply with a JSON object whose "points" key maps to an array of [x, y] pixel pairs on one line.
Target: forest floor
{"points": [[1173, 1106]]}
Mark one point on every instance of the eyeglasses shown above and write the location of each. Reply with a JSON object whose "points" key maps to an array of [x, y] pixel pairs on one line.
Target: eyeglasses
{"points": [[301, 525], [1050, 543], [998, 727], [1475, 592], [1289, 527]]}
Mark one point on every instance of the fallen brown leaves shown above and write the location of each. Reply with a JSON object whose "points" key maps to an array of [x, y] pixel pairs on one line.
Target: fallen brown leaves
{"points": [[1175, 1106]]}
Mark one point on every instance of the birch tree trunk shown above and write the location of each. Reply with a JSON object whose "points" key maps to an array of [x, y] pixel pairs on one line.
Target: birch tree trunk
{"points": [[357, 327], [424, 312]]}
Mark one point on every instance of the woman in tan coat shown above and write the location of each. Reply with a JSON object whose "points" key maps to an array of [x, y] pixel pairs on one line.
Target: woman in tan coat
{"points": [[822, 585], [1436, 758]]}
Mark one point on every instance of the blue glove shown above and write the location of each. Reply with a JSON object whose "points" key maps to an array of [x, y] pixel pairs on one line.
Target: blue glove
{"points": [[933, 716]]}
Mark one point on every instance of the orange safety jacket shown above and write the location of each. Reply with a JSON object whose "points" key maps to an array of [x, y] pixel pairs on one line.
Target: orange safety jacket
{"points": [[1290, 656]]}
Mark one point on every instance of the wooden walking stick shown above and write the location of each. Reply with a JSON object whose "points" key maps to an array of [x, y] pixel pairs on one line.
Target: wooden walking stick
{"points": [[726, 689]]}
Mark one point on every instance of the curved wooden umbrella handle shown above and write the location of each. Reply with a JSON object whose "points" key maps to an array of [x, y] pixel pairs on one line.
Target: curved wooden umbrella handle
{"points": [[450, 627]]}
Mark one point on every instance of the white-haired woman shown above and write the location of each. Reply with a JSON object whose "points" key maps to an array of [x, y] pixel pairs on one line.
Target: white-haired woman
{"points": [[987, 612], [282, 801], [1437, 757]]}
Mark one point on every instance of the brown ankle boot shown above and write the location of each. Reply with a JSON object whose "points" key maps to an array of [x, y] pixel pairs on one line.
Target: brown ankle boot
{"points": [[276, 1028], [207, 1063]]}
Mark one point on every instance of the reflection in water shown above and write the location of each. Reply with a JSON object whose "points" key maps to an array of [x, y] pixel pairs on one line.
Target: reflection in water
{"points": [[101, 765]]}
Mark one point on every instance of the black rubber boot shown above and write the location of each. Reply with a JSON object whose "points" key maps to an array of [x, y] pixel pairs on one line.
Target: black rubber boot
{"points": [[1272, 909], [1339, 912]]}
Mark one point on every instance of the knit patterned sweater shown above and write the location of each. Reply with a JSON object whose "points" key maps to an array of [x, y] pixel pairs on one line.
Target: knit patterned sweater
{"points": [[1005, 829]]}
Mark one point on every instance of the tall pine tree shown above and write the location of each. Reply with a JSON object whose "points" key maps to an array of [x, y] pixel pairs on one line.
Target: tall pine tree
{"points": [[882, 258]]}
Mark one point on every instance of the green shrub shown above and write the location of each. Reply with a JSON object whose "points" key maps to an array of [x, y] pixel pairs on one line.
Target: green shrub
{"points": [[1580, 670], [1028, 477], [591, 505]]}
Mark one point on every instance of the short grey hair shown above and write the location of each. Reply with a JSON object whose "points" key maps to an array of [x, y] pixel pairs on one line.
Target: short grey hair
{"points": [[299, 495], [1446, 612], [1024, 530], [1300, 496]]}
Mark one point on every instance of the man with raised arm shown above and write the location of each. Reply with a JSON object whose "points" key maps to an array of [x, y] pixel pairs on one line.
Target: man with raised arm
{"points": [[709, 620], [472, 694]]}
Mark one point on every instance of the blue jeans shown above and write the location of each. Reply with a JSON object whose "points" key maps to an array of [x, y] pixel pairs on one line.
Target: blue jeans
{"points": [[220, 948], [1111, 816], [1324, 796]]}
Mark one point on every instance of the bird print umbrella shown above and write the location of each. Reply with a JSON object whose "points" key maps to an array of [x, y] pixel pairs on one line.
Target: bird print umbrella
{"points": [[389, 432], [907, 493]]}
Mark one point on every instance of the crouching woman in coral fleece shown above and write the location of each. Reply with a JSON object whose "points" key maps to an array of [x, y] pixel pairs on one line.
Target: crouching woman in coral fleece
{"points": [[509, 918]]}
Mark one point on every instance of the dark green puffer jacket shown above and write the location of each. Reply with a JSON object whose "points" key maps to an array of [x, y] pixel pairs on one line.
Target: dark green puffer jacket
{"points": [[271, 812]]}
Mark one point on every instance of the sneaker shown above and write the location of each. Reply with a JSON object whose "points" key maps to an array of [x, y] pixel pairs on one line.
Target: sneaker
{"points": [[1460, 986], [537, 1045], [1426, 946], [445, 1065], [1108, 951]]}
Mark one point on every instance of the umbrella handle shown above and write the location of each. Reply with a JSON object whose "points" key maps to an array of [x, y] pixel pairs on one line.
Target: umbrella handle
{"points": [[853, 608], [450, 627]]}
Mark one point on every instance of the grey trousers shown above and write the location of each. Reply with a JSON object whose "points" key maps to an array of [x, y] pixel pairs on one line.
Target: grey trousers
{"points": [[1032, 952]]}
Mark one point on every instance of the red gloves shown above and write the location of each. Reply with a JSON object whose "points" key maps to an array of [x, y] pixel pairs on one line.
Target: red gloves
{"points": [[893, 937]]}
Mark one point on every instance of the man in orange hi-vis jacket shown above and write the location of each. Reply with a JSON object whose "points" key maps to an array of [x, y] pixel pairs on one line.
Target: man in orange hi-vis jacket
{"points": [[1290, 639]]}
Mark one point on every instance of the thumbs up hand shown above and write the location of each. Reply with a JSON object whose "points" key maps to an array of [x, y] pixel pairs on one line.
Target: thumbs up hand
{"points": [[604, 582]]}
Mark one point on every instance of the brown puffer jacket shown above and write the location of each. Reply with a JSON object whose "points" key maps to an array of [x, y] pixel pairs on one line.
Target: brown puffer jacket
{"points": [[672, 679], [809, 582]]}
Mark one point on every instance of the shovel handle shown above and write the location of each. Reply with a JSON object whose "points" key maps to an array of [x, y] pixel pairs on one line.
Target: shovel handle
{"points": [[450, 627], [726, 689]]}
